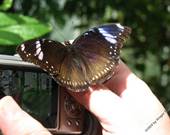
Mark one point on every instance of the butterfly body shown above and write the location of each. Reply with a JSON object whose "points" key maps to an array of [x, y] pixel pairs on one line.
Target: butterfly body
{"points": [[90, 59]]}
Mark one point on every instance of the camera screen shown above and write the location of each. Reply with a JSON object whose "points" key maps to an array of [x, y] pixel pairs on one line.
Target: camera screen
{"points": [[34, 91]]}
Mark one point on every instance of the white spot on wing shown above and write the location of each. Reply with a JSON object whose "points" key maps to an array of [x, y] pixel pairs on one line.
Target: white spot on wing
{"points": [[104, 33], [40, 56], [37, 42], [38, 45], [110, 53], [38, 51], [120, 26], [22, 47], [85, 34], [111, 40], [109, 37]]}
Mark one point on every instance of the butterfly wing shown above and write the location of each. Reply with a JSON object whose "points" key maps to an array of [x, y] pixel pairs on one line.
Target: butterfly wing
{"points": [[47, 54], [89, 60], [93, 57]]}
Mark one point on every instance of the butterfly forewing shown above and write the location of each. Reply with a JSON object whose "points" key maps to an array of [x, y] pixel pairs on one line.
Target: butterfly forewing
{"points": [[45, 53]]}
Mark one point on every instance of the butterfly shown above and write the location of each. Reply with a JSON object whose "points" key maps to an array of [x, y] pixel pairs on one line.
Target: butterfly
{"points": [[90, 59]]}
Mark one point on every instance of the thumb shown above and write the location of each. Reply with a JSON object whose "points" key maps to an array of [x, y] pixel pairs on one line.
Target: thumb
{"points": [[13, 120]]}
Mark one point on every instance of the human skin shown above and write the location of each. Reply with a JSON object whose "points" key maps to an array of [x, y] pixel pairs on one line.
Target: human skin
{"points": [[124, 105]]}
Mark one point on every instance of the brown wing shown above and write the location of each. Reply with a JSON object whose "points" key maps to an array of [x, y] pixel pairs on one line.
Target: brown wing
{"points": [[92, 57], [47, 54]]}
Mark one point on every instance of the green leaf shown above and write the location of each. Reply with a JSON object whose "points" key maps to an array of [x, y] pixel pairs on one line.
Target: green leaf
{"points": [[24, 32], [12, 19], [9, 38], [15, 29], [6, 4]]}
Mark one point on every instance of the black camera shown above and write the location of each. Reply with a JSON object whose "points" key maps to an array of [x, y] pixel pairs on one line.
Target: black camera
{"points": [[40, 96]]}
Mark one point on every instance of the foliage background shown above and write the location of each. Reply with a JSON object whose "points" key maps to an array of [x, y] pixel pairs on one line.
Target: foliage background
{"points": [[147, 52]]}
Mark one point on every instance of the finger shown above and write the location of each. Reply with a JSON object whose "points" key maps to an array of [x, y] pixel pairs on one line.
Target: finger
{"points": [[13, 120], [99, 100], [98, 93], [118, 82]]}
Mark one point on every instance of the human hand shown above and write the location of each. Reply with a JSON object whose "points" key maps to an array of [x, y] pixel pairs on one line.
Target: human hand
{"points": [[14, 121], [125, 105], [133, 110]]}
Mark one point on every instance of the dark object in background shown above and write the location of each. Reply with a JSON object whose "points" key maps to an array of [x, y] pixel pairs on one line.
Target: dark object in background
{"points": [[90, 59], [1, 1], [2, 94]]}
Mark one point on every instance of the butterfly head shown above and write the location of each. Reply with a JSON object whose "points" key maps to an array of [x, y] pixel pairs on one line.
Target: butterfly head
{"points": [[67, 43]]}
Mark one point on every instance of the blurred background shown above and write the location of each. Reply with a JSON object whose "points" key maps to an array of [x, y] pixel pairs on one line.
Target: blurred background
{"points": [[147, 51]]}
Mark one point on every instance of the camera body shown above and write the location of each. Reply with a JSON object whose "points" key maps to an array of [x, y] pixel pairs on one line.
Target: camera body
{"points": [[40, 96]]}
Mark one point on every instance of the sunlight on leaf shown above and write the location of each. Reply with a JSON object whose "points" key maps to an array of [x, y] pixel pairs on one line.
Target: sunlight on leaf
{"points": [[15, 29], [6, 4]]}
